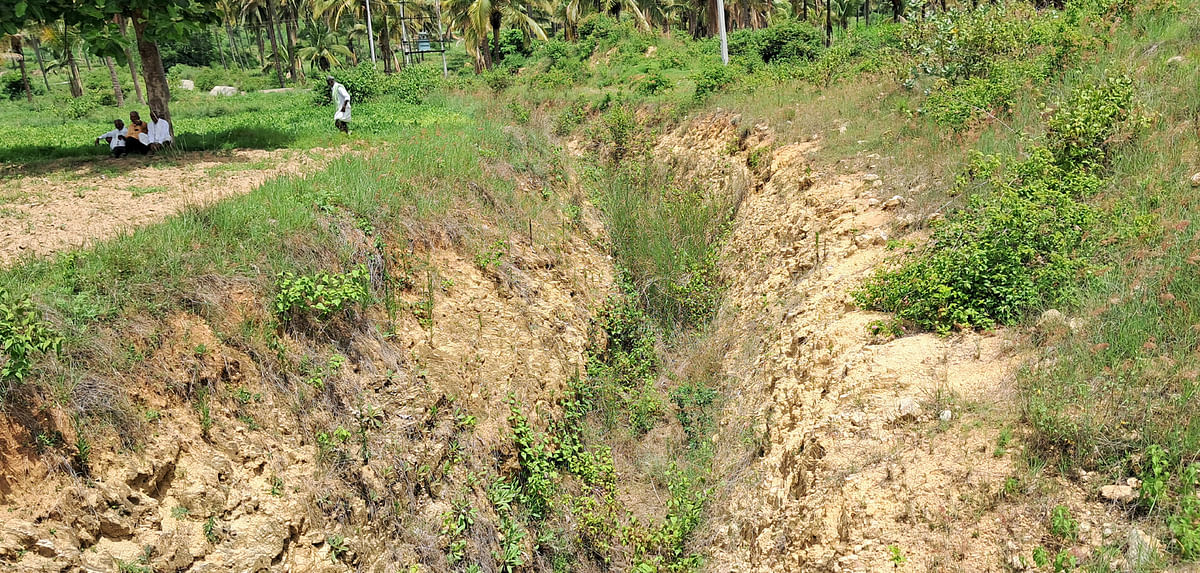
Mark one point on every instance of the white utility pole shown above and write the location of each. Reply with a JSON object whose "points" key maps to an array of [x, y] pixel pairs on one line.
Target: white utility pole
{"points": [[721, 29], [371, 32]]}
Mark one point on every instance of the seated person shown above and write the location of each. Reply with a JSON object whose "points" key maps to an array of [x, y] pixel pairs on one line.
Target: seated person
{"points": [[115, 138], [137, 136], [160, 132]]}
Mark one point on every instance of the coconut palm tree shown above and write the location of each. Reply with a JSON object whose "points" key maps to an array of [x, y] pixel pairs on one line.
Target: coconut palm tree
{"points": [[323, 50], [62, 41], [474, 19]]}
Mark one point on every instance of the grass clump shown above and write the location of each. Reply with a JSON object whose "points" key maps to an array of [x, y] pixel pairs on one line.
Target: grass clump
{"points": [[1022, 244]]}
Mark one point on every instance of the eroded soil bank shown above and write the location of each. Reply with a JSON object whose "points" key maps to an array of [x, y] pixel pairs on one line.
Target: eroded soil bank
{"points": [[836, 449]]}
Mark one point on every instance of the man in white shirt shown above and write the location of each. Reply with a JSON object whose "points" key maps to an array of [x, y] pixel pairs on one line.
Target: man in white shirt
{"points": [[341, 100], [160, 132], [115, 138]]}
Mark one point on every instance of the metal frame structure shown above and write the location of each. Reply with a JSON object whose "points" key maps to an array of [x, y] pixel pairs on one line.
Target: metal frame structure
{"points": [[425, 42]]}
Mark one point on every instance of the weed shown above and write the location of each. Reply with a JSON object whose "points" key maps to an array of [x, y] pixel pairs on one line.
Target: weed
{"points": [[83, 452], [1062, 525], [141, 191], [212, 530], [23, 335], [321, 295], [337, 547], [179, 512], [896, 555]]}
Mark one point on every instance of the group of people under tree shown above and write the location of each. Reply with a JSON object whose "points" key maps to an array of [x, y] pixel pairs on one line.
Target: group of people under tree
{"points": [[138, 137], [147, 138]]}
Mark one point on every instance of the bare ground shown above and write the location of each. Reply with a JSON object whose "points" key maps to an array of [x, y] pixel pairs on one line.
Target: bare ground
{"points": [[76, 204]]}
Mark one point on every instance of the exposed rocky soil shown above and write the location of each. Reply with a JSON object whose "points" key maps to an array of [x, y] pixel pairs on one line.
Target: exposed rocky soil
{"points": [[869, 450], [837, 449], [260, 491]]}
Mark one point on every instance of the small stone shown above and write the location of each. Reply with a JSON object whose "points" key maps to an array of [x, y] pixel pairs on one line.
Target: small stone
{"points": [[1118, 493], [907, 407], [1143, 550], [1196, 180], [1174, 60], [894, 202], [946, 415], [872, 202], [1133, 482], [45, 548], [188, 85], [869, 177]]}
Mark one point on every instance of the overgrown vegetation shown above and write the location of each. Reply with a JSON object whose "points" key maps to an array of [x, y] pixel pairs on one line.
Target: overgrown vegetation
{"points": [[1020, 243]]}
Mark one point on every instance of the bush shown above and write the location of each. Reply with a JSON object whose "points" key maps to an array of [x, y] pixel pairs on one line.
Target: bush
{"points": [[711, 79], [498, 79], [789, 41], [22, 335], [12, 86], [79, 107], [414, 83], [362, 81], [321, 295], [653, 83], [513, 47], [1023, 244]]}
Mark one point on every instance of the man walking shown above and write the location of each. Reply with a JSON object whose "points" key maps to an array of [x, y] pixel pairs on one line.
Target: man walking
{"points": [[341, 100]]}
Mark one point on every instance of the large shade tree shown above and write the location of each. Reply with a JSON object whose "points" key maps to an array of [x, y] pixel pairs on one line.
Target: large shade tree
{"points": [[152, 21]]}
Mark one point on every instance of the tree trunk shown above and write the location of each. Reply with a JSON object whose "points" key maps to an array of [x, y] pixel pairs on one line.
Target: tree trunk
{"points": [[271, 15], [133, 73], [17, 49], [385, 43], [494, 17], [220, 50], [158, 93], [233, 47], [897, 7], [804, 10], [828, 23], [289, 23], [867, 12], [112, 74], [262, 58], [76, 87], [37, 52], [711, 21], [86, 60]]}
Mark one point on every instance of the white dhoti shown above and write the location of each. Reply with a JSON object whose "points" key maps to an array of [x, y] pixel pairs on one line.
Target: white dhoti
{"points": [[341, 102]]}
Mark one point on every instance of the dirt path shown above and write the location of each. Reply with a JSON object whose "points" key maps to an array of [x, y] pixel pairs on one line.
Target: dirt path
{"points": [[872, 454], [62, 209]]}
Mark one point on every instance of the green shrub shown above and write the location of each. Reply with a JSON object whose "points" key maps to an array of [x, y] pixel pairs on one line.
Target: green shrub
{"points": [[1062, 525], [498, 78], [653, 83], [1022, 244], [789, 41], [23, 335], [413, 83], [13, 87], [321, 295], [711, 79]]}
